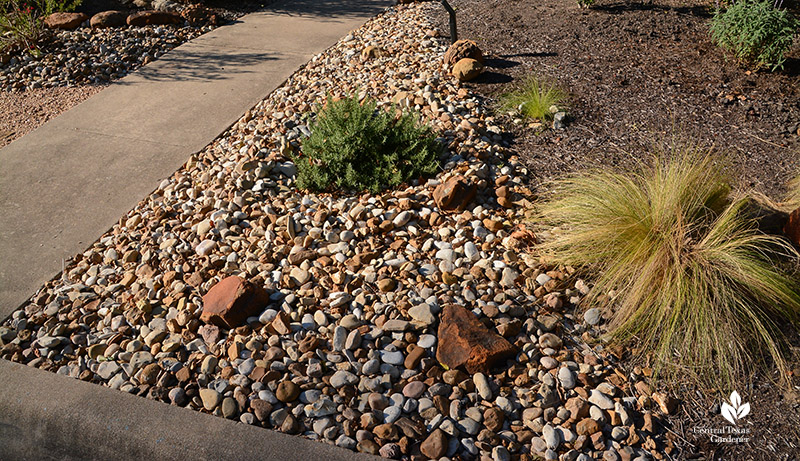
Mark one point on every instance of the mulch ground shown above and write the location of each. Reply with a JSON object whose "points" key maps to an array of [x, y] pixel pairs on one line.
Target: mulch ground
{"points": [[639, 75]]}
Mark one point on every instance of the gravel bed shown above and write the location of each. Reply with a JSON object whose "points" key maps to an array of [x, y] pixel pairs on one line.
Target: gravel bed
{"points": [[348, 349], [22, 112], [85, 56]]}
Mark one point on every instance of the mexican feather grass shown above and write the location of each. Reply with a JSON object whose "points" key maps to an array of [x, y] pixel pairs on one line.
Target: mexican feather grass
{"points": [[699, 288]]}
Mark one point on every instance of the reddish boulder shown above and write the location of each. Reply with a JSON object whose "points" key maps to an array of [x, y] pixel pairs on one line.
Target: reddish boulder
{"points": [[467, 69], [464, 340], [792, 227], [65, 20], [108, 19], [197, 15], [154, 18], [229, 302], [455, 194], [462, 49]]}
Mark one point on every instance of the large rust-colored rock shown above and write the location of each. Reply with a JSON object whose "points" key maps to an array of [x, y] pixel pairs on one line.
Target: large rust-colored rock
{"points": [[108, 19], [464, 340], [467, 69], [230, 302], [63, 20], [792, 227], [462, 49], [154, 18], [197, 15], [454, 194]]}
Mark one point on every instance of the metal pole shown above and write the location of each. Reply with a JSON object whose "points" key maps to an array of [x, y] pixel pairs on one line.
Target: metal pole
{"points": [[452, 13]]}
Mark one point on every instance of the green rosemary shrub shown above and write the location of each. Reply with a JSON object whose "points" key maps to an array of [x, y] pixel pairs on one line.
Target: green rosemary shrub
{"points": [[357, 146], [755, 31]]}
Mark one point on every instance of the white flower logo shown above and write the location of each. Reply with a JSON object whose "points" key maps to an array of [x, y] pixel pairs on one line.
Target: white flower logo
{"points": [[736, 410]]}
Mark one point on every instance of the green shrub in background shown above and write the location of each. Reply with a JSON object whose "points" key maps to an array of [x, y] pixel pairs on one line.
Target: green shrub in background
{"points": [[533, 99], [20, 25], [22, 22], [755, 31], [357, 146], [699, 287]]}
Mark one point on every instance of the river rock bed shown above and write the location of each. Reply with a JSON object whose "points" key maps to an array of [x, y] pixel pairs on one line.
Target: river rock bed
{"points": [[347, 350], [92, 56]]}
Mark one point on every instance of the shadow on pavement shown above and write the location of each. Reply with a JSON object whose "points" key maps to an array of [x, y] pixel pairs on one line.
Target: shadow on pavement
{"points": [[340, 8], [202, 64]]}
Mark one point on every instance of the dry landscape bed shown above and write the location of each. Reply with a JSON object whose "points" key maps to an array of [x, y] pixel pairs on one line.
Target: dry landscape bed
{"points": [[357, 337]]}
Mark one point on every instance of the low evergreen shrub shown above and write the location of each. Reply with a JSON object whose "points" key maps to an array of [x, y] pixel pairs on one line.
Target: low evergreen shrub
{"points": [[755, 31], [358, 146]]}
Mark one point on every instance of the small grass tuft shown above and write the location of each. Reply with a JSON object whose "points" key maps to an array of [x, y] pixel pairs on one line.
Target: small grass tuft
{"points": [[699, 287], [533, 99]]}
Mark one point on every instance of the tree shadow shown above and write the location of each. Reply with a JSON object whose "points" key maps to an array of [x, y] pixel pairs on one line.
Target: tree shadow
{"points": [[331, 9], [622, 7], [541, 54], [201, 64]]}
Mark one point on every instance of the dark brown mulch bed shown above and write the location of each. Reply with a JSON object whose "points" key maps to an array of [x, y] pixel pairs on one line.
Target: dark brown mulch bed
{"points": [[639, 74]]}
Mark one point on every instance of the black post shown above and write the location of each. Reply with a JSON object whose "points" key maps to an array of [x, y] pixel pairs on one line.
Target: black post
{"points": [[452, 13]]}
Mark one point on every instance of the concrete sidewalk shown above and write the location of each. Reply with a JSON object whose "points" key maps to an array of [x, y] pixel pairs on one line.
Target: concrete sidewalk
{"points": [[75, 420], [66, 183]]}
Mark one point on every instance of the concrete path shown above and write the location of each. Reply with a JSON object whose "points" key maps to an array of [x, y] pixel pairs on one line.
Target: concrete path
{"points": [[75, 420], [64, 184]]}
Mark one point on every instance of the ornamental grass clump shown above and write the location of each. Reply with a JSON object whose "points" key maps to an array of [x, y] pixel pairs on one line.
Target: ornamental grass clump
{"points": [[755, 31], [792, 198], [699, 289], [533, 99], [357, 146]]}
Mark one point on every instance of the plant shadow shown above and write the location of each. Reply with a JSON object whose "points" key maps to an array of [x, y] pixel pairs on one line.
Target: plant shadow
{"points": [[542, 54], [791, 67], [622, 7]]}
